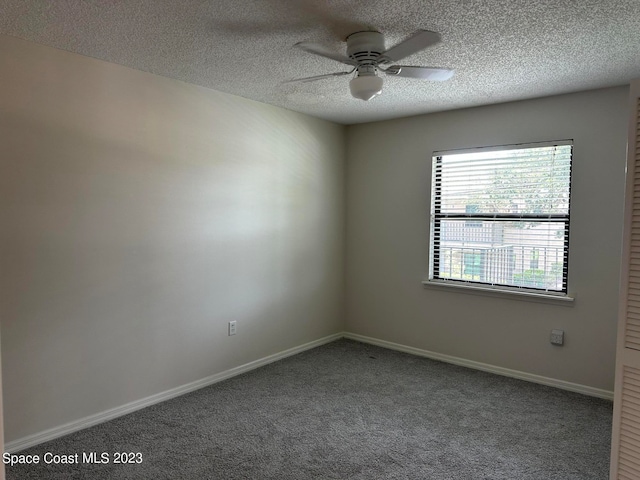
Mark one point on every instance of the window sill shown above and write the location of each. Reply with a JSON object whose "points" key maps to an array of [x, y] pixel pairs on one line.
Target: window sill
{"points": [[501, 292]]}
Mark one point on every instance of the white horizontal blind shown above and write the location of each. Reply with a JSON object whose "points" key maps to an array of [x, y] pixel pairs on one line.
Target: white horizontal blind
{"points": [[500, 216]]}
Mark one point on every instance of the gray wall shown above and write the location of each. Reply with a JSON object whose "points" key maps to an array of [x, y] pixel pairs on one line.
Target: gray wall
{"points": [[140, 215], [388, 199]]}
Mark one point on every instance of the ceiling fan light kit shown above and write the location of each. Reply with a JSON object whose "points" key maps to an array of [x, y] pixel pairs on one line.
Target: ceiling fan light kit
{"points": [[366, 84], [367, 55]]}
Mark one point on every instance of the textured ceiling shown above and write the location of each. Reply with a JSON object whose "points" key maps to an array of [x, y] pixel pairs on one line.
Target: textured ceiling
{"points": [[501, 50]]}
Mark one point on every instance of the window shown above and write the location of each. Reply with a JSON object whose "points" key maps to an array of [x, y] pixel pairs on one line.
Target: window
{"points": [[500, 217]]}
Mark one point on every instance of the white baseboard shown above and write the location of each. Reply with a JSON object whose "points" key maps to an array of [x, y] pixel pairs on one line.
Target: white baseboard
{"points": [[91, 420], [530, 377]]}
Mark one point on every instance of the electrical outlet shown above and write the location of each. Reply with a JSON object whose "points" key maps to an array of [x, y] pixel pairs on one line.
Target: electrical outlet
{"points": [[232, 327], [557, 337]]}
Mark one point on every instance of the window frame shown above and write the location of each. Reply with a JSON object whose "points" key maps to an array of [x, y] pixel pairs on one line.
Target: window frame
{"points": [[437, 216]]}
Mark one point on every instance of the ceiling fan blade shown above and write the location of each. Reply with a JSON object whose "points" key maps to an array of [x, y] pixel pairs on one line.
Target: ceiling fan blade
{"points": [[325, 52], [419, 41], [318, 77], [423, 73]]}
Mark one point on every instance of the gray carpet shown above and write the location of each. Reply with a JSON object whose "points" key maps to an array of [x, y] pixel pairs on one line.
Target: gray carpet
{"points": [[347, 410]]}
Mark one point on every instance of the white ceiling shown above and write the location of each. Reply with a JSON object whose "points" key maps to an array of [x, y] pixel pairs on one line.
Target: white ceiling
{"points": [[501, 50]]}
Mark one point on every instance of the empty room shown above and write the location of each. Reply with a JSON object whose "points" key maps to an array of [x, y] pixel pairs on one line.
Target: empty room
{"points": [[272, 239]]}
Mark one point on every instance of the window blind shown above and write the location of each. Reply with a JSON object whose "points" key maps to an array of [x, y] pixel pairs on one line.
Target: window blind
{"points": [[500, 216]]}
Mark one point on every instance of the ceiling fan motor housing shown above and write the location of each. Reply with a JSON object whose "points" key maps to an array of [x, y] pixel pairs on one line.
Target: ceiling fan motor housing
{"points": [[365, 47]]}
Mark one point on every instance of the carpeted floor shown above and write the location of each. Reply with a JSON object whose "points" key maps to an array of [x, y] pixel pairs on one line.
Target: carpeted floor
{"points": [[347, 410]]}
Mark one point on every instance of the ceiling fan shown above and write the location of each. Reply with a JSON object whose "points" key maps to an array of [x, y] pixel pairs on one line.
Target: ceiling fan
{"points": [[367, 55]]}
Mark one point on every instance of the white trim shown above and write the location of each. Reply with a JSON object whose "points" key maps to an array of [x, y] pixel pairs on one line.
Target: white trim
{"points": [[530, 377], [91, 420], [499, 148], [519, 294]]}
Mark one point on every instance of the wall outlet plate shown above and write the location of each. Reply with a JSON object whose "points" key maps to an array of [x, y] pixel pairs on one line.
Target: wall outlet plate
{"points": [[232, 327], [557, 337]]}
